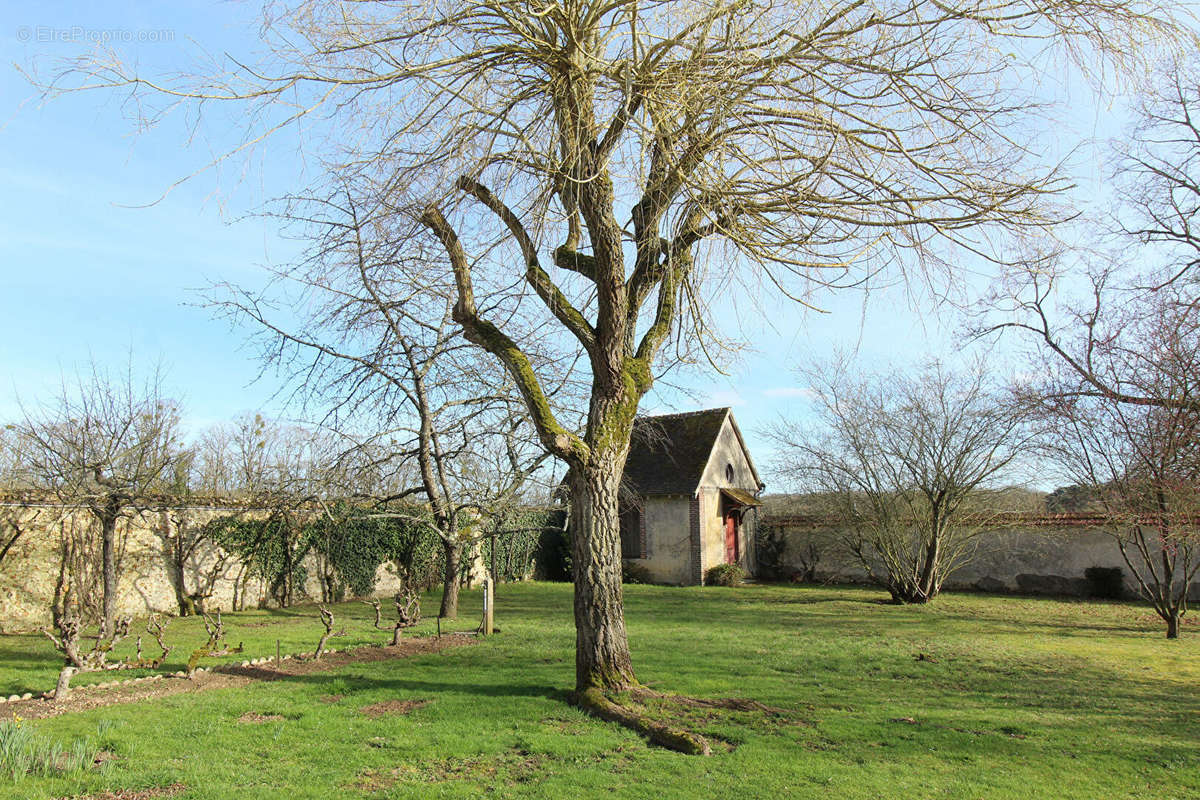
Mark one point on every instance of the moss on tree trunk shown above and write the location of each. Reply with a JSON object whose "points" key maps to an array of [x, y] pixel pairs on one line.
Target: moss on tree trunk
{"points": [[601, 648]]}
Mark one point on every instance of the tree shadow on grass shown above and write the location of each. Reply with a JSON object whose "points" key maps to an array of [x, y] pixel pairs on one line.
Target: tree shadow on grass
{"points": [[864, 612], [29, 660], [360, 682]]}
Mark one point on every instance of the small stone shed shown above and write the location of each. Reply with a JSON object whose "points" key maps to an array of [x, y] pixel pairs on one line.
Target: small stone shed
{"points": [[689, 496]]}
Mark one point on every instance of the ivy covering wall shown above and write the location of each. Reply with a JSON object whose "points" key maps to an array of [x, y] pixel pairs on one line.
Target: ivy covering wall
{"points": [[529, 543], [348, 544]]}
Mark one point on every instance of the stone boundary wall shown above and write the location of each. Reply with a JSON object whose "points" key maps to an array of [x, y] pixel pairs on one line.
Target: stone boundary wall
{"points": [[1036, 557], [29, 572]]}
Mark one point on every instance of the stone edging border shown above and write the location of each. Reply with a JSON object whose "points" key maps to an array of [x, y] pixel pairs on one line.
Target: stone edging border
{"points": [[253, 662]]}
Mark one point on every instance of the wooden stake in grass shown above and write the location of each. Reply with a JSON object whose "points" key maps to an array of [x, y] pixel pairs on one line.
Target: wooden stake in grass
{"points": [[488, 600]]}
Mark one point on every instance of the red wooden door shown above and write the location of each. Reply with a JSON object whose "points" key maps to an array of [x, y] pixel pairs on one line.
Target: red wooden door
{"points": [[731, 543]]}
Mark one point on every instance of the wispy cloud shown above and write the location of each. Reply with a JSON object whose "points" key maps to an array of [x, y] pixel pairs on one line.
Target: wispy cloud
{"points": [[725, 397], [790, 391]]}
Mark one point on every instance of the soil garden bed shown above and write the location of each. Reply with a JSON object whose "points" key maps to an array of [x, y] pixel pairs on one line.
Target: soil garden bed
{"points": [[225, 676]]}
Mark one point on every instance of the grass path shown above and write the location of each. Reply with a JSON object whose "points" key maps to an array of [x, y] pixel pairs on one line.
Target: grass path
{"points": [[971, 697]]}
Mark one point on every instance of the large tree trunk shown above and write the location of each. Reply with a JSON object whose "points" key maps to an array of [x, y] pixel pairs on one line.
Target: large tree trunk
{"points": [[108, 538], [453, 552], [62, 586], [174, 548], [187, 606], [239, 589], [927, 586], [601, 648], [1173, 625], [178, 574]]}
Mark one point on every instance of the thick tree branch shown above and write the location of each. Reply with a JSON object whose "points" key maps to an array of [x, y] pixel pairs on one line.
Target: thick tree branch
{"points": [[556, 438], [550, 294]]}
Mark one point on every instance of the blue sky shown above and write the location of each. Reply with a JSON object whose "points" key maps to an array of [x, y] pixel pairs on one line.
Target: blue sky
{"points": [[85, 274]]}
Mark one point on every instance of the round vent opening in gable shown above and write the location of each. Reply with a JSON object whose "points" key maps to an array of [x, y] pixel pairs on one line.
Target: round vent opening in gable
{"points": [[729, 472]]}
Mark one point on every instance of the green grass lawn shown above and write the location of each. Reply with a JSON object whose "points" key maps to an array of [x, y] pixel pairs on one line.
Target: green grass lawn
{"points": [[1010, 698]]}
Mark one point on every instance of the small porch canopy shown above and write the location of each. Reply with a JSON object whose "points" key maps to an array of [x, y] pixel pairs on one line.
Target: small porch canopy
{"points": [[740, 497]]}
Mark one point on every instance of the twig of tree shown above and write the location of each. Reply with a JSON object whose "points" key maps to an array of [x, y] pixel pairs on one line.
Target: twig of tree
{"points": [[157, 629], [327, 621], [408, 612], [18, 521], [1140, 461], [214, 626]]}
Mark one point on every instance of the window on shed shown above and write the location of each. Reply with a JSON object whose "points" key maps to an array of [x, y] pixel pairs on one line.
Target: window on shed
{"points": [[631, 533]]}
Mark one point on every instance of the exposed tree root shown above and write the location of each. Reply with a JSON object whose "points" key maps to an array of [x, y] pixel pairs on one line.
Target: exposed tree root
{"points": [[665, 718], [595, 702]]}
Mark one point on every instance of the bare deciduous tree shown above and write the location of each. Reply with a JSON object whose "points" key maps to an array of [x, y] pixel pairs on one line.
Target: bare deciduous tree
{"points": [[158, 631], [378, 348], [408, 611], [629, 144], [107, 446], [327, 622], [1140, 460], [214, 626], [1158, 169], [283, 471], [905, 462], [1157, 172], [1117, 371]]}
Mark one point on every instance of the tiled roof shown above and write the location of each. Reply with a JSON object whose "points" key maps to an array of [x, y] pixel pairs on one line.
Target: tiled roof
{"points": [[1007, 519], [668, 453]]}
